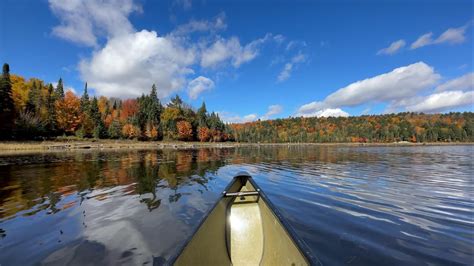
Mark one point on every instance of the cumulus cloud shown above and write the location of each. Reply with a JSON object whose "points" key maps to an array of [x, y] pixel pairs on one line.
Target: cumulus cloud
{"points": [[328, 112], [398, 84], [442, 101], [272, 110], [199, 85], [83, 21], [288, 68], [126, 62], [232, 118], [462, 83], [129, 64], [231, 49], [451, 36], [392, 48]]}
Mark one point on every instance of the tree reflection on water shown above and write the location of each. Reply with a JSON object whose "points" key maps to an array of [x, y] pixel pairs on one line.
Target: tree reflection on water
{"points": [[27, 190]]}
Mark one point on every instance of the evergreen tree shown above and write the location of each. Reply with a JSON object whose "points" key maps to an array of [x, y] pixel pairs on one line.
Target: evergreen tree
{"points": [[94, 114], [7, 109], [202, 116], [59, 92], [51, 119], [155, 107], [85, 104], [176, 102], [114, 131], [34, 98]]}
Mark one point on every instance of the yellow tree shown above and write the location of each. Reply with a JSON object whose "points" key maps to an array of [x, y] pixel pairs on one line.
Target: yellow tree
{"points": [[19, 92], [68, 113]]}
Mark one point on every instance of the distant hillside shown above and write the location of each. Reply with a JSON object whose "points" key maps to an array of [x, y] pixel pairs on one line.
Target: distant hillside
{"points": [[413, 127]]}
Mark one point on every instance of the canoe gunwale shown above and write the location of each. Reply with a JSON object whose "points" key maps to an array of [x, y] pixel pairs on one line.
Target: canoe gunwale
{"points": [[175, 257], [303, 248], [244, 177]]}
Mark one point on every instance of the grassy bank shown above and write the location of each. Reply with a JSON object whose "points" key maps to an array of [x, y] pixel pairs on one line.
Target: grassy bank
{"points": [[9, 146]]}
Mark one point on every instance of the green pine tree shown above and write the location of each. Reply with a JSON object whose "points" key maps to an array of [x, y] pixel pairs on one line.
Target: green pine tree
{"points": [[51, 120], [155, 107], [85, 103], [202, 115], [99, 131], [34, 98], [7, 111], [59, 92], [114, 131]]}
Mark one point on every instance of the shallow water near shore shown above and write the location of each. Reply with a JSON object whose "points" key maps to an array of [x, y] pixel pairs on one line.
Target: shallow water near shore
{"points": [[351, 205]]}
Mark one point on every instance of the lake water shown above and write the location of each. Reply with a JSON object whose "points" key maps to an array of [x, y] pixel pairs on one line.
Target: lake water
{"points": [[351, 205]]}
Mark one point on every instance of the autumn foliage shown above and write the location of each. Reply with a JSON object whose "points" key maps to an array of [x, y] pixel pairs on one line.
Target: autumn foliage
{"points": [[130, 131], [68, 113], [36, 110], [32, 109], [203, 134], [185, 130], [410, 127]]}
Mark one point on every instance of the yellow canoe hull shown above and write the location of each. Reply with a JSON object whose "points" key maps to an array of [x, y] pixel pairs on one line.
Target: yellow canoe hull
{"points": [[244, 228]]}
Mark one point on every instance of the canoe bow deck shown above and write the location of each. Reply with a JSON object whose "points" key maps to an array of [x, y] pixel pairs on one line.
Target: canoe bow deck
{"points": [[244, 228]]}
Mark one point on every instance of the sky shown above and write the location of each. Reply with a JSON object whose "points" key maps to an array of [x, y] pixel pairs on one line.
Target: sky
{"points": [[252, 60]]}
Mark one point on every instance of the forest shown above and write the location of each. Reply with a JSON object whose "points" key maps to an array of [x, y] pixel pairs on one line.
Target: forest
{"points": [[411, 127], [33, 110]]}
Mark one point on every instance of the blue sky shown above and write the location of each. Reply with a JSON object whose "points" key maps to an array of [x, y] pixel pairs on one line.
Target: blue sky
{"points": [[252, 59]]}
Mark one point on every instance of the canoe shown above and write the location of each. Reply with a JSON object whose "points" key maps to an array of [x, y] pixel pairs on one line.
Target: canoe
{"points": [[244, 228]]}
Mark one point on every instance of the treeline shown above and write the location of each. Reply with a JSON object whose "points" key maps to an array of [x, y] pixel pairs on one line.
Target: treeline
{"points": [[412, 127], [31, 109]]}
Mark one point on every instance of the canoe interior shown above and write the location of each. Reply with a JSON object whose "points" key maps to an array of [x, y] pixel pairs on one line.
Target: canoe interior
{"points": [[241, 231]]}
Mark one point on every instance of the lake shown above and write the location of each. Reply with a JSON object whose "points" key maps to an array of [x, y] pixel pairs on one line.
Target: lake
{"points": [[351, 205]]}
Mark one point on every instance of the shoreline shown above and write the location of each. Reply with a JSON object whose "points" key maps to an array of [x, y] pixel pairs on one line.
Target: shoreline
{"points": [[7, 147]]}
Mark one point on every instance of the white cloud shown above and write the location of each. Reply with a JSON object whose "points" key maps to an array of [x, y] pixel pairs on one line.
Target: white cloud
{"points": [[126, 62], [442, 101], [285, 73], [451, 36], [129, 64], [400, 83], [232, 118], [462, 83], [328, 112], [231, 49], [199, 85], [423, 40], [288, 68], [83, 21], [272, 110], [202, 25], [393, 48]]}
